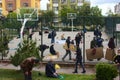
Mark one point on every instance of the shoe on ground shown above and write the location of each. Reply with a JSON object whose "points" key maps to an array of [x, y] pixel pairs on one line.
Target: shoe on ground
{"points": [[74, 72], [83, 72]]}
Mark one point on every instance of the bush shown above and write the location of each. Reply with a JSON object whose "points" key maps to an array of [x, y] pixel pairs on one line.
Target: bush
{"points": [[26, 49], [105, 71]]}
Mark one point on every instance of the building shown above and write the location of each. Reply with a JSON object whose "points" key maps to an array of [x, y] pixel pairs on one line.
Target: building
{"points": [[7, 6], [117, 8], [57, 5]]}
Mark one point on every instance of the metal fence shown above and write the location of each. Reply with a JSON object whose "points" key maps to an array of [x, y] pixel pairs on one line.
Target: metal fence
{"points": [[106, 24]]}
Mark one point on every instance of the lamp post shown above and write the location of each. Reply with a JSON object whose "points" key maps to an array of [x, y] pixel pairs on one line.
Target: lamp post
{"points": [[41, 28]]}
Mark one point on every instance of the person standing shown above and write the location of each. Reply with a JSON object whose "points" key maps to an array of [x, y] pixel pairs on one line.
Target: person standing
{"points": [[79, 60], [78, 38], [68, 49], [53, 34], [27, 65], [111, 43], [93, 43]]}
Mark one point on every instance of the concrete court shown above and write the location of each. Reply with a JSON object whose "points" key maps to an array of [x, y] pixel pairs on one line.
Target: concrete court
{"points": [[59, 43], [59, 47]]}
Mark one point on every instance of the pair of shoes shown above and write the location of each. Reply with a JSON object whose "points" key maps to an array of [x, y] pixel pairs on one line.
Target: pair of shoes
{"points": [[75, 72], [83, 72]]}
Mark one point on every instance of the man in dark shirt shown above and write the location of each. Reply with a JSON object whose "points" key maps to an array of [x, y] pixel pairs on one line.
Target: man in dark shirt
{"points": [[53, 51], [79, 60], [78, 38], [67, 50]]}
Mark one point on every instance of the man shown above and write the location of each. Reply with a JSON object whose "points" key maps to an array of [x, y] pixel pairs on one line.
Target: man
{"points": [[53, 51], [78, 38], [53, 34], [27, 65], [79, 60], [111, 43], [42, 48], [68, 49]]}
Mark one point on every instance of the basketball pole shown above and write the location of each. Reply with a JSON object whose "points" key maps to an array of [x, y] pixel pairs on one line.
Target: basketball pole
{"points": [[22, 28], [72, 24]]}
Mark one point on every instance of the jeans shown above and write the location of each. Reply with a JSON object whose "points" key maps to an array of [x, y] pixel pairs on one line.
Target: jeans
{"points": [[67, 52], [28, 77], [81, 64], [52, 40]]}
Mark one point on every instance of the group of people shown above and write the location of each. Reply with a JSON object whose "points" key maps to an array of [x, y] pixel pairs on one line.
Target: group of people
{"points": [[28, 64], [50, 70]]}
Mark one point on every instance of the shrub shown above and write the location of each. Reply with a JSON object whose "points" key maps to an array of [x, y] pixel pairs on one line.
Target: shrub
{"points": [[26, 49], [105, 71]]}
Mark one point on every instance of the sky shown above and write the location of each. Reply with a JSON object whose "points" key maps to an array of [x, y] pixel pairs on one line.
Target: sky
{"points": [[105, 5]]}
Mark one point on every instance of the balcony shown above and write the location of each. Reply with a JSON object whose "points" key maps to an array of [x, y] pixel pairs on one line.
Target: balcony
{"points": [[55, 5]]}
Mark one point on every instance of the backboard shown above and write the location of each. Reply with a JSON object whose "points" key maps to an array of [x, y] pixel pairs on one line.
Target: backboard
{"points": [[27, 13], [71, 15]]}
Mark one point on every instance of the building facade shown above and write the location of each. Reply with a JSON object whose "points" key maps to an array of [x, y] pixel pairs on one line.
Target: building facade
{"points": [[117, 8], [7, 6], [57, 5]]}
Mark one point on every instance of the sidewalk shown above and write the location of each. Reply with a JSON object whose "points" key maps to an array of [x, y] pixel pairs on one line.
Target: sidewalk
{"points": [[65, 70]]}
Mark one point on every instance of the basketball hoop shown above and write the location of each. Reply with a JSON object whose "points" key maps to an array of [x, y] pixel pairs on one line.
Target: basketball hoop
{"points": [[71, 16], [24, 15]]}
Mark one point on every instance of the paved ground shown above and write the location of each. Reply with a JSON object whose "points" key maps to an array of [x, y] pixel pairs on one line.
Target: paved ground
{"points": [[59, 43], [59, 47], [65, 70]]}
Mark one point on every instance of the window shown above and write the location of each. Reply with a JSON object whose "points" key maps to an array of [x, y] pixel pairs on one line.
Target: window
{"points": [[55, 1], [55, 8], [25, 4], [63, 1], [72, 1], [80, 1], [0, 5], [10, 6]]}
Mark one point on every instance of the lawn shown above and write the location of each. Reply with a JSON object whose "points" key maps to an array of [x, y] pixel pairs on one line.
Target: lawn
{"points": [[6, 74]]}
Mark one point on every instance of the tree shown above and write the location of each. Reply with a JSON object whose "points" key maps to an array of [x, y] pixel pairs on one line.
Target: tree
{"points": [[4, 40], [47, 18], [11, 21], [63, 14], [96, 16], [26, 49]]}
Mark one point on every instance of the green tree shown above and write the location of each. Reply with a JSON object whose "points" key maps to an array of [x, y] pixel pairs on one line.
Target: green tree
{"points": [[47, 17], [11, 21], [4, 44], [4, 40], [26, 49], [63, 14], [96, 16]]}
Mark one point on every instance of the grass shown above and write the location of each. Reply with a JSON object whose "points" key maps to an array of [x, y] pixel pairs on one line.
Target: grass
{"points": [[6, 74]]}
